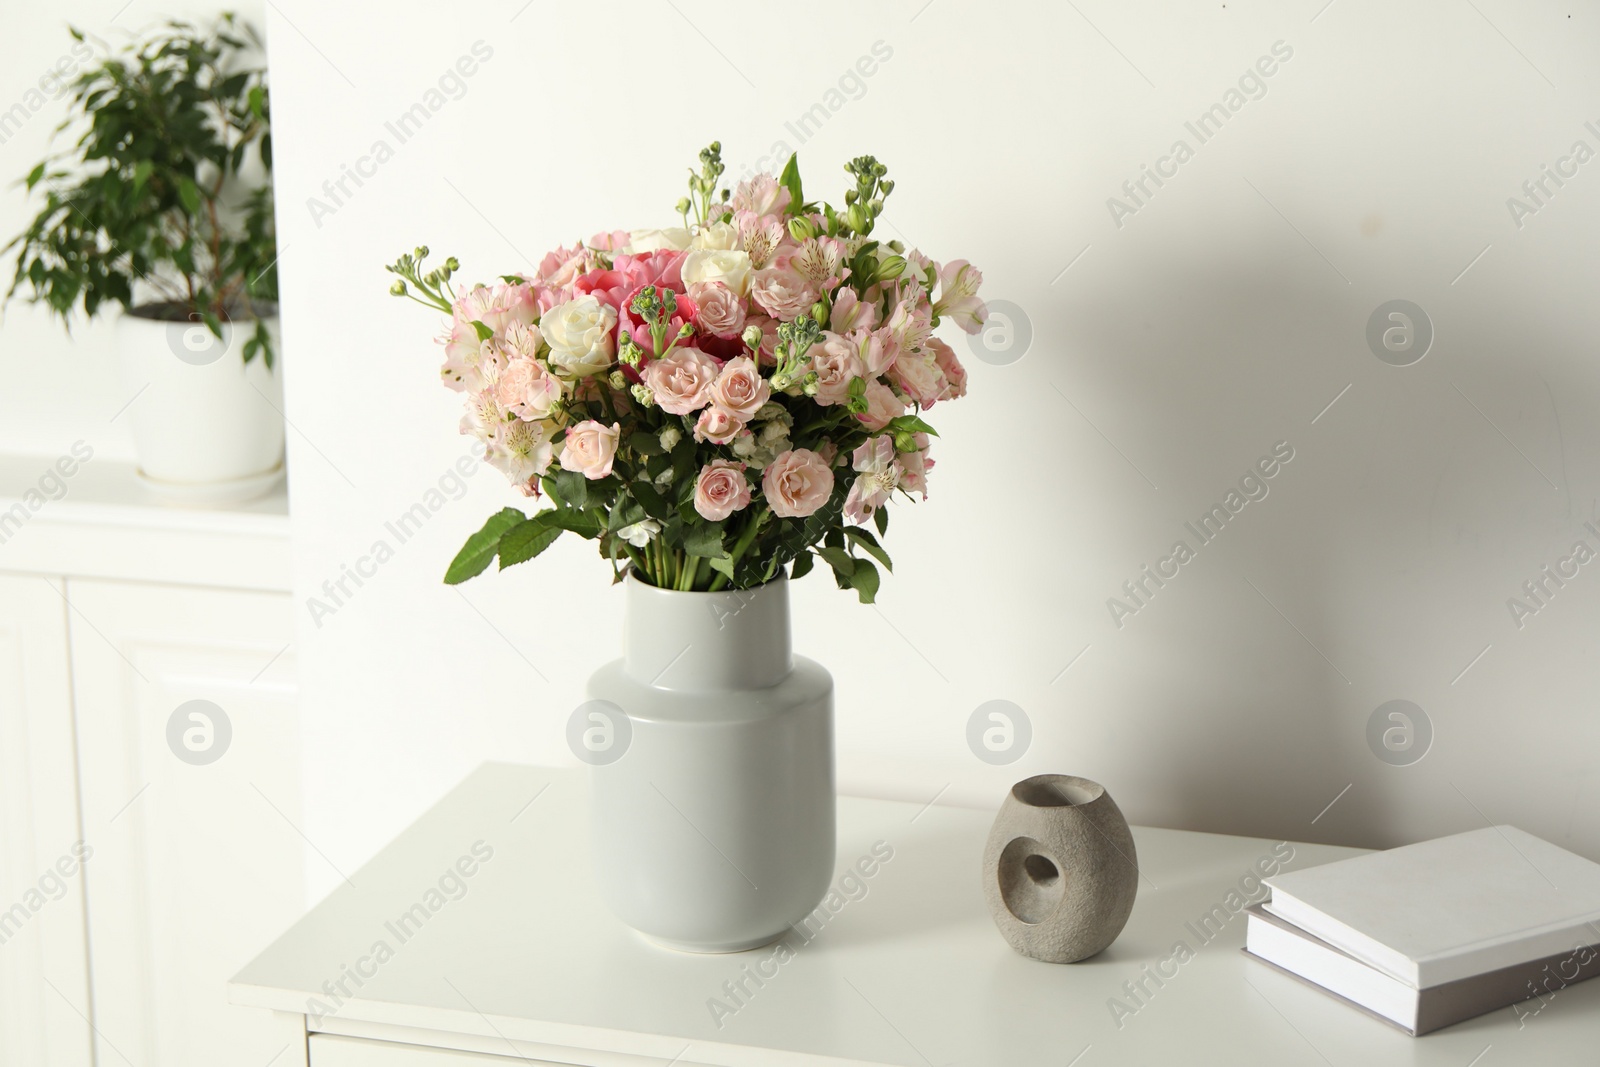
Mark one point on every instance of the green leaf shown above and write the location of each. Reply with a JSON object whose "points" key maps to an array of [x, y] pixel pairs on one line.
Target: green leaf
{"points": [[865, 581], [482, 546], [654, 504], [188, 194], [35, 176], [842, 562], [723, 566], [646, 443], [704, 540], [802, 565], [869, 545], [880, 519], [585, 524], [790, 180], [484, 333], [527, 539], [911, 424], [572, 488]]}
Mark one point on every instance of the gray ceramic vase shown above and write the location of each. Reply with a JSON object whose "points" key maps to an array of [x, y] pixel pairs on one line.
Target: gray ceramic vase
{"points": [[1059, 870], [714, 831]]}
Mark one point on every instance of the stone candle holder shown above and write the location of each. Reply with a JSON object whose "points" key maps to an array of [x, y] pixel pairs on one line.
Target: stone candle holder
{"points": [[1059, 870]]}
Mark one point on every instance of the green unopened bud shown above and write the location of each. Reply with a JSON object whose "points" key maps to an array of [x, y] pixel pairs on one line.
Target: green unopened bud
{"points": [[801, 228], [630, 355], [752, 337], [888, 268], [819, 313], [850, 196], [905, 441], [684, 205], [857, 217], [398, 289], [643, 395], [886, 187], [808, 385], [685, 330], [452, 264], [421, 252], [617, 380]]}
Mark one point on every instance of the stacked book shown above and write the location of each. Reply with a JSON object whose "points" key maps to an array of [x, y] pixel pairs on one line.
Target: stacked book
{"points": [[1430, 934]]}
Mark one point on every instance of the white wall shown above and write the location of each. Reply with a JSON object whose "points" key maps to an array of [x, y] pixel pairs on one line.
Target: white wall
{"points": [[61, 387], [1219, 319]]}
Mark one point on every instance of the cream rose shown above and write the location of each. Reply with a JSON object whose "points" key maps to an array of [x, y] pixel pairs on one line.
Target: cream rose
{"points": [[579, 334], [682, 381], [740, 388], [717, 235], [728, 266], [797, 483], [721, 490], [720, 311], [590, 447], [673, 239]]}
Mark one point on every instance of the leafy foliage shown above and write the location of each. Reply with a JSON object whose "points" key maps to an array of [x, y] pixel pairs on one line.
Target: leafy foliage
{"points": [[159, 204]]}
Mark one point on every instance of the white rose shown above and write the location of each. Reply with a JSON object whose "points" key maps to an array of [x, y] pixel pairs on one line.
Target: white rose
{"points": [[721, 236], [728, 266], [673, 238], [579, 335]]}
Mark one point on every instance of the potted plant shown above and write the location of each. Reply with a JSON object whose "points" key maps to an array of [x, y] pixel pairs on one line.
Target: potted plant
{"points": [[718, 405], [162, 207]]}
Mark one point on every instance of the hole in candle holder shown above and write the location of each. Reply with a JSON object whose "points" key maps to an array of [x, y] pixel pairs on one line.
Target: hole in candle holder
{"points": [[1041, 870], [1031, 880]]}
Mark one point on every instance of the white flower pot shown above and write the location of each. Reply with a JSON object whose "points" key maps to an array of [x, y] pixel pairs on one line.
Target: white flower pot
{"points": [[714, 829], [207, 427]]}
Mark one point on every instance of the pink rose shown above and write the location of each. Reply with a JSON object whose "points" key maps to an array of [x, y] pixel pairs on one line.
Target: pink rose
{"points": [[782, 294], [721, 490], [797, 483], [882, 406], [682, 381], [835, 364], [717, 425], [527, 389], [955, 375], [590, 447], [719, 310], [740, 388]]}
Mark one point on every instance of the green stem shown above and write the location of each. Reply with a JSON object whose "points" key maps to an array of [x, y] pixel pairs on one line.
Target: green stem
{"points": [[739, 548]]}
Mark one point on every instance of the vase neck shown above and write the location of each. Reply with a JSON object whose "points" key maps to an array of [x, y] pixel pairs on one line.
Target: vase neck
{"points": [[737, 639]]}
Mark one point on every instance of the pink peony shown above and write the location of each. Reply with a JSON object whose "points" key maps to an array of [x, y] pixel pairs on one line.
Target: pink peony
{"points": [[783, 294], [797, 483], [682, 381], [527, 389], [721, 490], [835, 363], [882, 406], [955, 375], [740, 388], [919, 377], [718, 310], [590, 447], [717, 425]]}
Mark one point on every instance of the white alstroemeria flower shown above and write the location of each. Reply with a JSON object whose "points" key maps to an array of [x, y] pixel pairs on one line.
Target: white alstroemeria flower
{"points": [[639, 534]]}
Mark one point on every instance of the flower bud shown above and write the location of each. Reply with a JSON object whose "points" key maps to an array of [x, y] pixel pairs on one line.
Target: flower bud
{"points": [[753, 337], [398, 288], [670, 438], [801, 228], [643, 395], [617, 380], [857, 217], [888, 268], [452, 264]]}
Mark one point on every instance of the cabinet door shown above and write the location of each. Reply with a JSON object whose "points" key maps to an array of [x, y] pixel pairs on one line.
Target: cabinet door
{"points": [[188, 757], [44, 986]]}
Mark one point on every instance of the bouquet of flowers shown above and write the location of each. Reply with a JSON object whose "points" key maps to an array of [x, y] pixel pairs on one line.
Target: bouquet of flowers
{"points": [[715, 401]]}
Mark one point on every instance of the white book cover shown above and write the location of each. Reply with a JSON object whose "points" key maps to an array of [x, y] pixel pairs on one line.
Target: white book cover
{"points": [[1442, 910]]}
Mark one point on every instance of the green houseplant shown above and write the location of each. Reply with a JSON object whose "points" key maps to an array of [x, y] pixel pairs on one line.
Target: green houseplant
{"points": [[162, 207]]}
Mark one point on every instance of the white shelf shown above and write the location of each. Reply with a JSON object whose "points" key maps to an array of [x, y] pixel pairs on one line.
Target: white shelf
{"points": [[107, 524]]}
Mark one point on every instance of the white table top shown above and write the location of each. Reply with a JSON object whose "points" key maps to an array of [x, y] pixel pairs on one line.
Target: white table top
{"points": [[528, 963]]}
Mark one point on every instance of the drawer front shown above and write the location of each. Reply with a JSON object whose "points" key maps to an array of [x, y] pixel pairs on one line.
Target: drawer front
{"points": [[328, 1050]]}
